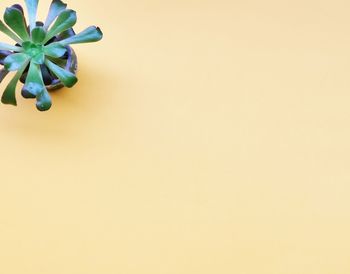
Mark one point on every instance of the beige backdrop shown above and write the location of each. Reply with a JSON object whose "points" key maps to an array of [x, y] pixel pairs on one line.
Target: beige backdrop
{"points": [[204, 136]]}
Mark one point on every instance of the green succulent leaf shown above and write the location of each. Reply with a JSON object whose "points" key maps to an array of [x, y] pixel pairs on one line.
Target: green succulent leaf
{"points": [[32, 7], [15, 20], [38, 35], [33, 84], [43, 101], [15, 61], [55, 50], [64, 21], [39, 58], [58, 61], [90, 34], [9, 95], [56, 7], [9, 33], [4, 46], [68, 78], [35, 87]]}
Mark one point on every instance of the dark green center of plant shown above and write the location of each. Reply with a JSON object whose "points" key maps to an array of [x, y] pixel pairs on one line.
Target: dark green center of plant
{"points": [[32, 49]]}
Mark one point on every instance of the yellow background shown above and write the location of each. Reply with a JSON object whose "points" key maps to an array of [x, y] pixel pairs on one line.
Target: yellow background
{"points": [[203, 136]]}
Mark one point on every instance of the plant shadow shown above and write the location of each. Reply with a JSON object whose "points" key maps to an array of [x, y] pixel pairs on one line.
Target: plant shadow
{"points": [[75, 112]]}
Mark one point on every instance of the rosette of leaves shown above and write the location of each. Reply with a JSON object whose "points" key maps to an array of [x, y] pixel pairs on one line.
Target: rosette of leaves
{"points": [[40, 55]]}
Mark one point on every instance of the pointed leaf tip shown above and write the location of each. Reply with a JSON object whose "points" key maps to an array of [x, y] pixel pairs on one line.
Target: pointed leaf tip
{"points": [[90, 34], [56, 7], [64, 21], [68, 78], [9, 95]]}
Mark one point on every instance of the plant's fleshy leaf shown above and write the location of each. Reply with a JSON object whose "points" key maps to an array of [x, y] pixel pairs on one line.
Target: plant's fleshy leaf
{"points": [[15, 61], [64, 35], [90, 34], [9, 95], [64, 21], [4, 46], [68, 78], [19, 7], [43, 101], [39, 58], [56, 7], [38, 35], [32, 7], [33, 84], [26, 45], [58, 61], [34, 87], [3, 55], [55, 50], [15, 20], [9, 33]]}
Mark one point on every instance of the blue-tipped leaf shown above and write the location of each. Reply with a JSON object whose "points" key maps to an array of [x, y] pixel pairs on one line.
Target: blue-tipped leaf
{"points": [[15, 61], [34, 87], [67, 78], [33, 84], [55, 50], [15, 20], [32, 7], [43, 101], [9, 95], [90, 34], [4, 46], [9, 33], [39, 58], [64, 21], [56, 7]]}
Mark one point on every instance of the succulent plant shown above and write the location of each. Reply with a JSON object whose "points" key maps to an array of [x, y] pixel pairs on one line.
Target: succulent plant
{"points": [[42, 56]]}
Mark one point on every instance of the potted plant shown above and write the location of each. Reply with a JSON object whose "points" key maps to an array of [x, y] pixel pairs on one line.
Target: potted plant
{"points": [[42, 56]]}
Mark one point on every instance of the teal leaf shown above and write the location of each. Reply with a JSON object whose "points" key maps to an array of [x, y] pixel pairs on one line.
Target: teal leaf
{"points": [[67, 78], [33, 84], [39, 58], [90, 34], [9, 33], [55, 50], [32, 7], [27, 45], [38, 35], [44, 101], [58, 61], [9, 95], [35, 87], [15, 61], [4, 46], [64, 21], [15, 20], [56, 7]]}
